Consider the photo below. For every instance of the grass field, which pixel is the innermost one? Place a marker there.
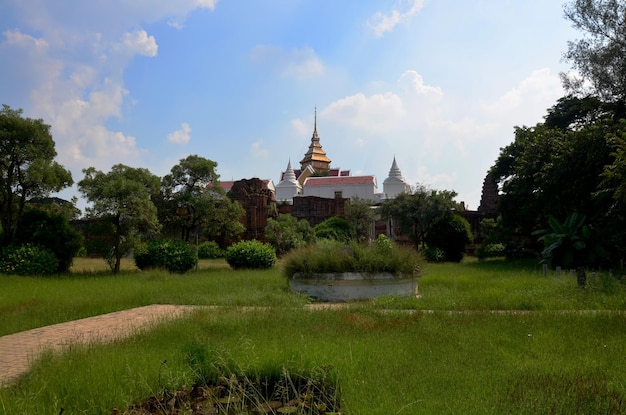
(484, 338)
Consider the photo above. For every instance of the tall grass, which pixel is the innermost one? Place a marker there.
(30, 302)
(451, 351)
(386, 363)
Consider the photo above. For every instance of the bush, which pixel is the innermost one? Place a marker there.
(251, 254)
(330, 256)
(51, 231)
(286, 232)
(210, 250)
(173, 255)
(451, 235)
(28, 259)
(485, 251)
(334, 228)
(433, 254)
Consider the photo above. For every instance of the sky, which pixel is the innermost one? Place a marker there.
(438, 84)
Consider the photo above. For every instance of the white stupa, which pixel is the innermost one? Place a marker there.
(288, 186)
(395, 183)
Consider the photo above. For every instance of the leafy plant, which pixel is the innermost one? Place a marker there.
(210, 250)
(334, 228)
(433, 253)
(331, 256)
(570, 243)
(222, 386)
(286, 232)
(451, 234)
(52, 231)
(493, 250)
(251, 254)
(27, 259)
(171, 254)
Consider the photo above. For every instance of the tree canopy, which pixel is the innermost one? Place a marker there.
(124, 195)
(552, 170)
(599, 56)
(193, 202)
(572, 164)
(416, 212)
(27, 166)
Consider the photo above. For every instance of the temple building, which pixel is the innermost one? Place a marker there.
(316, 177)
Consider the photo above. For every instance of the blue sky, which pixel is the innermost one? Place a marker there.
(439, 84)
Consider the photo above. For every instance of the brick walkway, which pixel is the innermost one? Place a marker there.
(19, 349)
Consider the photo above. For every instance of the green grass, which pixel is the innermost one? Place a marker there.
(463, 355)
(387, 363)
(30, 302)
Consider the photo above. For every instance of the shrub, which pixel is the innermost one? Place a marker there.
(485, 251)
(334, 228)
(173, 255)
(286, 232)
(330, 256)
(251, 254)
(51, 231)
(452, 235)
(28, 259)
(433, 254)
(210, 250)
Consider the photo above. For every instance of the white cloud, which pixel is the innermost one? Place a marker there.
(526, 103)
(181, 136)
(300, 63)
(207, 4)
(257, 150)
(402, 12)
(72, 74)
(138, 42)
(374, 113)
(412, 82)
(303, 64)
(16, 37)
(300, 128)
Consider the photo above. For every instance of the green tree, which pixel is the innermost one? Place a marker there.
(52, 231)
(417, 211)
(334, 228)
(360, 215)
(286, 232)
(600, 55)
(552, 170)
(572, 243)
(123, 195)
(451, 234)
(27, 167)
(193, 202)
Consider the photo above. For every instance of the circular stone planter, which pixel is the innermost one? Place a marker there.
(352, 285)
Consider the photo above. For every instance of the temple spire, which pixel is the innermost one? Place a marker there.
(315, 156)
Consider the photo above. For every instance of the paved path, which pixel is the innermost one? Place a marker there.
(18, 350)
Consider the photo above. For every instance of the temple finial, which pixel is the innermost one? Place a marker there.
(315, 121)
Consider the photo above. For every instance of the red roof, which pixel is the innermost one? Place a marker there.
(227, 184)
(339, 180)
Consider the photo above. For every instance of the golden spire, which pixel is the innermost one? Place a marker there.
(315, 156)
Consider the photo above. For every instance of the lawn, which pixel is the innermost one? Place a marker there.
(484, 338)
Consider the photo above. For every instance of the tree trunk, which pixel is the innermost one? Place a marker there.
(581, 277)
(118, 243)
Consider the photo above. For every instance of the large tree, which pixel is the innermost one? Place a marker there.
(27, 167)
(600, 56)
(419, 210)
(560, 167)
(550, 170)
(123, 196)
(193, 202)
